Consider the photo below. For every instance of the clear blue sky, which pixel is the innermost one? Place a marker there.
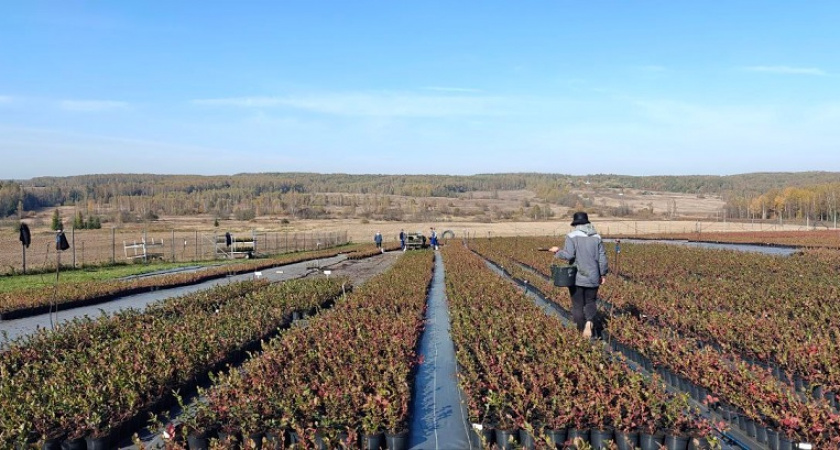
(407, 87)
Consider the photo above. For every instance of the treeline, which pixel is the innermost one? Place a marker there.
(816, 203)
(246, 195)
(129, 197)
(750, 184)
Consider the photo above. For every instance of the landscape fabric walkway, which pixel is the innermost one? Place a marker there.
(439, 416)
(13, 329)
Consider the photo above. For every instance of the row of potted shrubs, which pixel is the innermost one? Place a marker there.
(342, 380)
(21, 303)
(750, 389)
(536, 383)
(98, 378)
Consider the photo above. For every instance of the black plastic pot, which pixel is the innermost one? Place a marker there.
(292, 437)
(699, 443)
(742, 422)
(74, 444)
(627, 440)
(257, 439)
(274, 438)
(761, 433)
(482, 438)
(574, 434)
(198, 441)
(728, 413)
(749, 427)
(773, 439)
(372, 441)
(676, 442)
(231, 439)
(526, 440)
(343, 441)
(506, 439)
(785, 443)
(556, 438)
(396, 441)
(798, 383)
(817, 391)
(651, 441)
(320, 443)
(100, 443)
(831, 398)
(51, 444)
(702, 393)
(600, 439)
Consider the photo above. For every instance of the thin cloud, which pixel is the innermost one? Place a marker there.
(787, 70)
(374, 104)
(92, 105)
(5, 99)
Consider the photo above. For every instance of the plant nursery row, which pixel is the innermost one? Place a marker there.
(29, 302)
(343, 380)
(532, 382)
(97, 379)
(729, 322)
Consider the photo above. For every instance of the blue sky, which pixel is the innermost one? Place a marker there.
(420, 87)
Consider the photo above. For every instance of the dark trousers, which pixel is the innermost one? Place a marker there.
(584, 306)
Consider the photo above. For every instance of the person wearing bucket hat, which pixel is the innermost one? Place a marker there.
(583, 248)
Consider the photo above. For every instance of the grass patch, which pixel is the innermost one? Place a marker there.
(11, 283)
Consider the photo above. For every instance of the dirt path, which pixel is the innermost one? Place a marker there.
(362, 270)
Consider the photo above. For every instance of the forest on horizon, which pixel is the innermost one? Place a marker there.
(131, 197)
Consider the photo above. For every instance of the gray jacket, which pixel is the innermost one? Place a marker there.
(584, 248)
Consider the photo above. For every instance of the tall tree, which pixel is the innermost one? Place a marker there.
(56, 221)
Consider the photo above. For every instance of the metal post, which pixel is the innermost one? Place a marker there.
(113, 245)
(23, 247)
(617, 253)
(73, 244)
(196, 245)
(173, 245)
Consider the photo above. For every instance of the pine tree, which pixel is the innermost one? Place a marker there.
(79, 221)
(56, 221)
(93, 223)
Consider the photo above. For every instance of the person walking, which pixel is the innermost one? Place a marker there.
(433, 241)
(583, 247)
(402, 239)
(377, 238)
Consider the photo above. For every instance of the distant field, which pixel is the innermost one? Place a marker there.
(190, 239)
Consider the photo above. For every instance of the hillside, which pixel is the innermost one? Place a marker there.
(484, 197)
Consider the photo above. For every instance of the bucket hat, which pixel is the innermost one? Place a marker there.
(580, 218)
